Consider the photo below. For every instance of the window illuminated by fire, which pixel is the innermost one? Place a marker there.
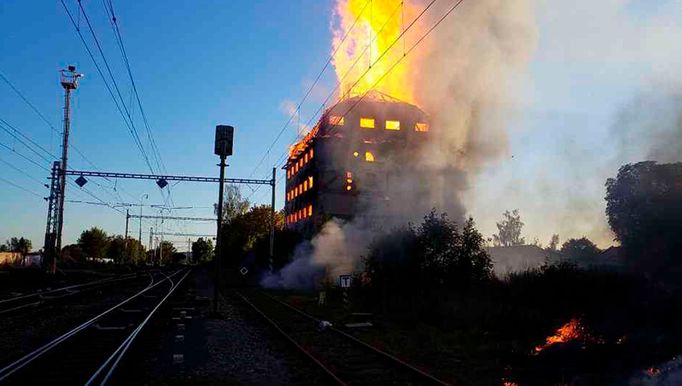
(392, 125)
(421, 127)
(367, 123)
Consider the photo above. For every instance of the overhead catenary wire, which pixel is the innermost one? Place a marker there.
(20, 187)
(53, 129)
(119, 103)
(129, 125)
(310, 89)
(355, 62)
(380, 57)
(156, 155)
(43, 118)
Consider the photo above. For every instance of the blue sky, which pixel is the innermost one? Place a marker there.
(201, 64)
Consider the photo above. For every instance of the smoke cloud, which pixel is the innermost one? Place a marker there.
(462, 76)
(602, 92)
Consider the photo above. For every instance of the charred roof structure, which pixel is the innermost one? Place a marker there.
(348, 163)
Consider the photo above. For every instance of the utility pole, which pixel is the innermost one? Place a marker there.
(151, 247)
(69, 81)
(140, 235)
(272, 220)
(49, 253)
(126, 238)
(127, 219)
(223, 148)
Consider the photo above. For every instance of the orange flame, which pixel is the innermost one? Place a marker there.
(566, 333)
(374, 43)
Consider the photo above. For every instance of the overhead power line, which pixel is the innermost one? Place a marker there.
(130, 125)
(310, 89)
(21, 187)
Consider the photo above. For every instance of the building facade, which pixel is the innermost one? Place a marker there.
(352, 160)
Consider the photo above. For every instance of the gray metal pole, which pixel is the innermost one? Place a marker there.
(62, 175)
(127, 219)
(218, 249)
(272, 219)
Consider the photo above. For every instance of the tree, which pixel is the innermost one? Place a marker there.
(553, 243)
(136, 251)
(202, 250)
(4, 248)
(20, 245)
(233, 204)
(580, 250)
(94, 242)
(240, 234)
(644, 207)
(165, 251)
(433, 256)
(509, 230)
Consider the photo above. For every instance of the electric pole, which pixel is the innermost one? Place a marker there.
(69, 81)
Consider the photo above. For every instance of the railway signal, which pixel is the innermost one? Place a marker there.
(223, 147)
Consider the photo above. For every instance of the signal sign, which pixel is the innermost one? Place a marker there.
(345, 281)
(223, 140)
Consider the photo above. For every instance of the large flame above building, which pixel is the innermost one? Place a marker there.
(369, 41)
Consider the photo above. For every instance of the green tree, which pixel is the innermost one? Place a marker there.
(433, 256)
(165, 251)
(644, 207)
(233, 203)
(509, 230)
(124, 251)
(20, 245)
(240, 234)
(4, 248)
(580, 250)
(202, 250)
(136, 251)
(94, 242)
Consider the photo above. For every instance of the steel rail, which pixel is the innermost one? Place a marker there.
(293, 341)
(118, 354)
(42, 296)
(18, 364)
(59, 289)
(363, 344)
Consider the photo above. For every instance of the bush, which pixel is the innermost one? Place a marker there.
(412, 266)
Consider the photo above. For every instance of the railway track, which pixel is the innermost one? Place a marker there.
(35, 299)
(345, 359)
(90, 352)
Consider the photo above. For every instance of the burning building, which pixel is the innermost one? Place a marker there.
(348, 163)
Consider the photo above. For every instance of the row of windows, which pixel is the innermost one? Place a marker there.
(302, 160)
(369, 156)
(369, 123)
(300, 214)
(300, 188)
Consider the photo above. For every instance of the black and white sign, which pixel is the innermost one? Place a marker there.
(345, 281)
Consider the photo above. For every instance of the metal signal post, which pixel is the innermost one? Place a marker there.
(223, 148)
